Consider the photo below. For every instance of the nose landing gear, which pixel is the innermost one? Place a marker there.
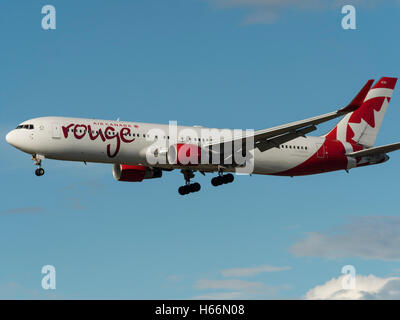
(38, 162)
(39, 172)
(188, 187)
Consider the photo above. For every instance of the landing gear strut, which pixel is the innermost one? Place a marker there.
(222, 179)
(188, 187)
(38, 162)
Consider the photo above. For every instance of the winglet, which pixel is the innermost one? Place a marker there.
(359, 99)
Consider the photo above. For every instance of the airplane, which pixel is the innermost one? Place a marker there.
(140, 151)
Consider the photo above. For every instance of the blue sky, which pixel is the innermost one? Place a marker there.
(199, 62)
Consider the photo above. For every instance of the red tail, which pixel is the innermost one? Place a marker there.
(361, 126)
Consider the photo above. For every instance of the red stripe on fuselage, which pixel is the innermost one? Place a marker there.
(333, 159)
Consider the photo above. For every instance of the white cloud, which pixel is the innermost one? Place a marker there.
(367, 287)
(220, 296)
(252, 271)
(263, 11)
(268, 11)
(231, 284)
(268, 3)
(236, 289)
(364, 237)
(240, 289)
(262, 17)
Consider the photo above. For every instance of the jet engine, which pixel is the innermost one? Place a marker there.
(123, 172)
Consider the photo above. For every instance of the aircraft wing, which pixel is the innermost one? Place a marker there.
(272, 137)
(377, 150)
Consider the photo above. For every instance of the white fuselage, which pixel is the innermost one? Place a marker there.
(124, 142)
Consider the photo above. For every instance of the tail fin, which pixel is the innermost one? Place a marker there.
(362, 125)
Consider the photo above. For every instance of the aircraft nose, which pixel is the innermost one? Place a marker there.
(10, 138)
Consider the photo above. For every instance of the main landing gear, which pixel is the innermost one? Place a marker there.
(188, 187)
(38, 162)
(222, 179)
(195, 187)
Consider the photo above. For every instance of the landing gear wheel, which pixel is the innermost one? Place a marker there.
(195, 187)
(228, 178)
(39, 172)
(217, 181)
(183, 190)
(222, 179)
(38, 162)
(188, 187)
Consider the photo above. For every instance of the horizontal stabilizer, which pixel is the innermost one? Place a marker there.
(377, 150)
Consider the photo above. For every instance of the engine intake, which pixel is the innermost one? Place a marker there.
(124, 172)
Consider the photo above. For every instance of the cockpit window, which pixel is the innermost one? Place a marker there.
(25, 126)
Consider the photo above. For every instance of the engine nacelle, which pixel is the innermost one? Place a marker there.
(123, 172)
(184, 154)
